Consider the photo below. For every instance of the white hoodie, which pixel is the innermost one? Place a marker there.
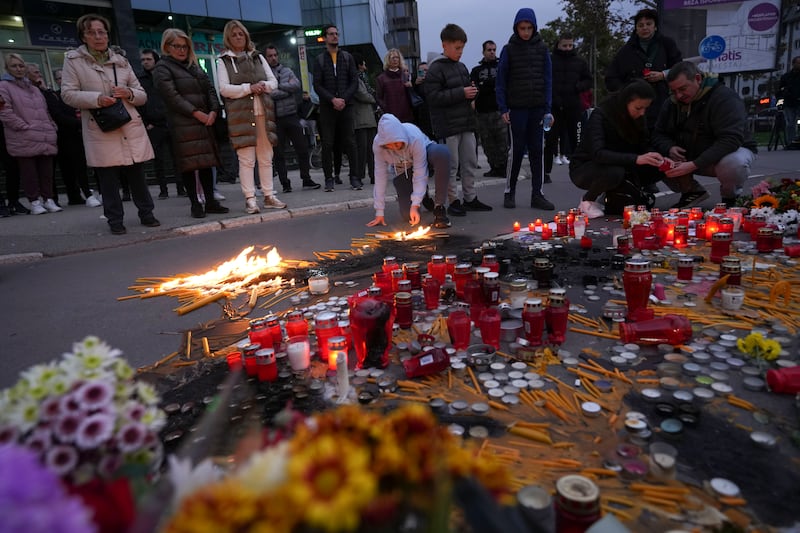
(410, 161)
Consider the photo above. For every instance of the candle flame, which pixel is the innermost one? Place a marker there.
(235, 275)
(420, 233)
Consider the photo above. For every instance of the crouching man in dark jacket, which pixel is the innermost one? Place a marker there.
(703, 129)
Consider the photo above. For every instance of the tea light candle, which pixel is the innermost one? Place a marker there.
(537, 225)
(336, 346)
(516, 226)
(318, 284)
(547, 233)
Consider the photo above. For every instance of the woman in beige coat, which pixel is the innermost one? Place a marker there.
(95, 76)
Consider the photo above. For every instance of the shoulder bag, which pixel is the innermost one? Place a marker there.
(114, 116)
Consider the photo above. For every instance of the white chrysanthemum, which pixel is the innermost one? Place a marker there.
(122, 370)
(186, 479)
(39, 375)
(94, 430)
(94, 395)
(146, 393)
(154, 418)
(61, 459)
(265, 469)
(24, 414)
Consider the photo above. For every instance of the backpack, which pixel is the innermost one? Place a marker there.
(629, 193)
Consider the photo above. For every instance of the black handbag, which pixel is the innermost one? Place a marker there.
(114, 116)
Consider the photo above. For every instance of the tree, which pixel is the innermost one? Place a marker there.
(600, 28)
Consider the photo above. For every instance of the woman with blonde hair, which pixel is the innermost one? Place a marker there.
(94, 77)
(393, 85)
(30, 135)
(192, 109)
(245, 81)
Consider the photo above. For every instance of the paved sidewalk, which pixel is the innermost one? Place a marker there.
(80, 228)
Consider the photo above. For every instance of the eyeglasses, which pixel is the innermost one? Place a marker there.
(96, 33)
(180, 47)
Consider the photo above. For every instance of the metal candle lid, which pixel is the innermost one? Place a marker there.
(721, 236)
(533, 305)
(575, 492)
(637, 265)
(541, 262)
(731, 260)
(325, 319)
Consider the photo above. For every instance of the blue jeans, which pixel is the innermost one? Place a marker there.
(791, 114)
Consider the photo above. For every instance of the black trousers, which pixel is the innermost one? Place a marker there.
(109, 180)
(162, 147)
(337, 126)
(597, 179)
(72, 162)
(366, 159)
(290, 130)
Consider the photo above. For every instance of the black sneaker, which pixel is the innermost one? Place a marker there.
(476, 205)
(198, 211)
(547, 178)
(18, 208)
(691, 199)
(456, 209)
(163, 195)
(287, 189)
(356, 184)
(338, 181)
(118, 229)
(311, 185)
(440, 220)
(182, 192)
(151, 222)
(540, 202)
(328, 185)
(427, 202)
(4, 210)
(508, 200)
(216, 208)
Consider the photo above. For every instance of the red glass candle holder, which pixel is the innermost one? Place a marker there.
(764, 240)
(413, 275)
(296, 324)
(669, 329)
(547, 232)
(720, 246)
(266, 365)
(533, 321)
(326, 325)
(458, 326)
(637, 281)
(680, 238)
(404, 314)
(556, 315)
(685, 268)
(489, 325)
(389, 263)
(371, 322)
(437, 267)
(462, 274)
(430, 290)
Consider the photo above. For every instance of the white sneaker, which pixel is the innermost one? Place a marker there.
(272, 202)
(564, 160)
(37, 208)
(92, 201)
(591, 209)
(557, 160)
(51, 206)
(218, 196)
(251, 207)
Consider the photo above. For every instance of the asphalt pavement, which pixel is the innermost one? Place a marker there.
(79, 228)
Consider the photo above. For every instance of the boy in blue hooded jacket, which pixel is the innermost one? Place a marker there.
(524, 96)
(402, 151)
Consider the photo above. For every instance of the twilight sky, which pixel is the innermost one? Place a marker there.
(481, 19)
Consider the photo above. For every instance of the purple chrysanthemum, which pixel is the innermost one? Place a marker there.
(94, 430)
(39, 440)
(134, 410)
(50, 408)
(70, 404)
(61, 459)
(131, 437)
(8, 434)
(94, 394)
(66, 427)
(32, 499)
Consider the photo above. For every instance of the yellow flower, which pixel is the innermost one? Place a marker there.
(330, 479)
(771, 349)
(766, 199)
(750, 344)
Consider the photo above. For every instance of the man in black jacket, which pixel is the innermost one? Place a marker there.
(702, 128)
(492, 128)
(154, 115)
(790, 91)
(336, 83)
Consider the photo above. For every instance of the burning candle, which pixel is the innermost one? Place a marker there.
(586, 242)
(680, 236)
(712, 226)
(537, 225)
(337, 346)
(627, 211)
(547, 232)
(516, 226)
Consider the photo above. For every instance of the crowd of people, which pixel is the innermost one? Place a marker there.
(663, 120)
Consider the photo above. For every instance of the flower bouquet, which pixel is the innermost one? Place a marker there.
(90, 423)
(759, 348)
(778, 202)
(344, 470)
